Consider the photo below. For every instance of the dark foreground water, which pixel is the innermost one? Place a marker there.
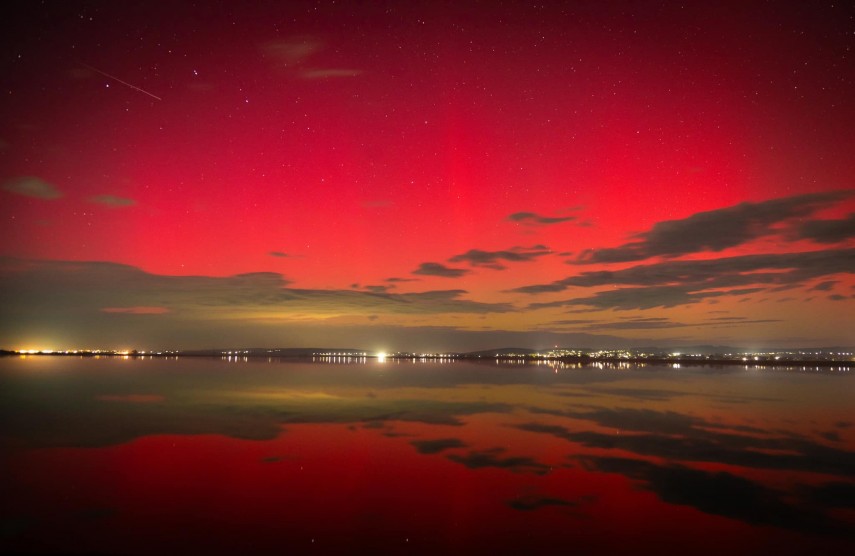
(113, 456)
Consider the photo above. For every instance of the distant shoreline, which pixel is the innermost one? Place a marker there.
(689, 361)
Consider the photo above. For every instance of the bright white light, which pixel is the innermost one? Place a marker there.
(381, 357)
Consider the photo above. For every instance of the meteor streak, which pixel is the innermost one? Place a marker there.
(134, 87)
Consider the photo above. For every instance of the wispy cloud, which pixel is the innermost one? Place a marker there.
(534, 219)
(377, 203)
(136, 310)
(294, 54)
(31, 186)
(112, 201)
(293, 51)
(329, 73)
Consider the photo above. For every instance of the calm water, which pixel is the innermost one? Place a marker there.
(115, 456)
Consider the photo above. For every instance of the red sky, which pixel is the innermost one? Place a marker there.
(411, 176)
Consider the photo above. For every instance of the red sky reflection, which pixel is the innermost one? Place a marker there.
(402, 462)
(216, 494)
(140, 457)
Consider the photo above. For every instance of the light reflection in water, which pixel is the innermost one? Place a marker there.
(452, 456)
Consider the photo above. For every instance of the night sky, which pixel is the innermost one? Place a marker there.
(427, 176)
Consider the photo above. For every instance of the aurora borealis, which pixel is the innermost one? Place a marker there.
(427, 175)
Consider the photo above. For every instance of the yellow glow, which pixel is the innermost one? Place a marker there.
(381, 357)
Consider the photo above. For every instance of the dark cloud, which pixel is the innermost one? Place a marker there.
(493, 458)
(641, 324)
(136, 310)
(491, 259)
(37, 304)
(837, 297)
(828, 285)
(535, 219)
(834, 495)
(31, 186)
(743, 321)
(632, 393)
(88, 297)
(557, 286)
(714, 230)
(438, 269)
(132, 398)
(112, 411)
(531, 502)
(278, 254)
(831, 436)
(784, 268)
(112, 201)
(659, 394)
(827, 231)
(379, 288)
(396, 279)
(719, 493)
(631, 324)
(437, 446)
(643, 420)
(568, 322)
(661, 322)
(373, 288)
(93, 286)
(671, 283)
(645, 298)
(682, 437)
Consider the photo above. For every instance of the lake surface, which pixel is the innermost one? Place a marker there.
(143, 456)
